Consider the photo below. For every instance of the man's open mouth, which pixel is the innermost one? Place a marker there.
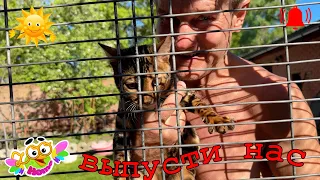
(190, 54)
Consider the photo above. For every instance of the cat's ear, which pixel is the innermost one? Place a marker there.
(164, 47)
(110, 51)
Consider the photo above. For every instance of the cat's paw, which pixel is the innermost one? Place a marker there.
(222, 129)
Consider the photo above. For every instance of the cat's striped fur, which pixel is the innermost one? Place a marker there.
(130, 102)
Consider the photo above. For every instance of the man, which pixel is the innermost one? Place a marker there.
(241, 112)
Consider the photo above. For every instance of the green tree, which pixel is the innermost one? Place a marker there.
(255, 18)
(68, 30)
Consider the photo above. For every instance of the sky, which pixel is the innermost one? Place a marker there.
(315, 9)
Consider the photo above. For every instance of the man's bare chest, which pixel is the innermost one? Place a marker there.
(246, 117)
(231, 148)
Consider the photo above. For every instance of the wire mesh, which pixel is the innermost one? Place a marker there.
(64, 89)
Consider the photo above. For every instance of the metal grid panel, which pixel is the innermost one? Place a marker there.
(12, 103)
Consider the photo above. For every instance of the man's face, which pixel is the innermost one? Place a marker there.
(194, 42)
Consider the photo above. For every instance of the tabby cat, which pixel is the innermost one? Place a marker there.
(165, 80)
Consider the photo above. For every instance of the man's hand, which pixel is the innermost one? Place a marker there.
(168, 119)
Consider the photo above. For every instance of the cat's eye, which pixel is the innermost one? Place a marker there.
(154, 82)
(132, 86)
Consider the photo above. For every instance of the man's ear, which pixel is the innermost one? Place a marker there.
(164, 46)
(240, 15)
(110, 51)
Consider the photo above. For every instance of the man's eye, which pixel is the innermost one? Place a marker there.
(204, 18)
(202, 22)
(132, 85)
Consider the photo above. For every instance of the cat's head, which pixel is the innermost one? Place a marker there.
(146, 64)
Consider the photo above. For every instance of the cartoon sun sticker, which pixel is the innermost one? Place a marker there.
(34, 26)
(37, 159)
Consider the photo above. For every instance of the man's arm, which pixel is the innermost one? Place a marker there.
(301, 129)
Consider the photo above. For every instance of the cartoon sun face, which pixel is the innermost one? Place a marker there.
(34, 26)
(39, 153)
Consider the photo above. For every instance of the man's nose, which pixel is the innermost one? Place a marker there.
(185, 41)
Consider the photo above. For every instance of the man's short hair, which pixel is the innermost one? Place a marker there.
(235, 3)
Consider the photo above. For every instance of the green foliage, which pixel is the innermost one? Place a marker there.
(255, 18)
(69, 51)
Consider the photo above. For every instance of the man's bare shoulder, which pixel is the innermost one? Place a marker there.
(276, 92)
(275, 86)
(278, 86)
(269, 86)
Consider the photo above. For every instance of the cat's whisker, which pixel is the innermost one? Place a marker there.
(134, 107)
(129, 107)
(128, 102)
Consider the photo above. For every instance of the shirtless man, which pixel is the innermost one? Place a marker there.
(229, 78)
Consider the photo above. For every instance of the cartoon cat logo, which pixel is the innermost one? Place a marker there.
(37, 160)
